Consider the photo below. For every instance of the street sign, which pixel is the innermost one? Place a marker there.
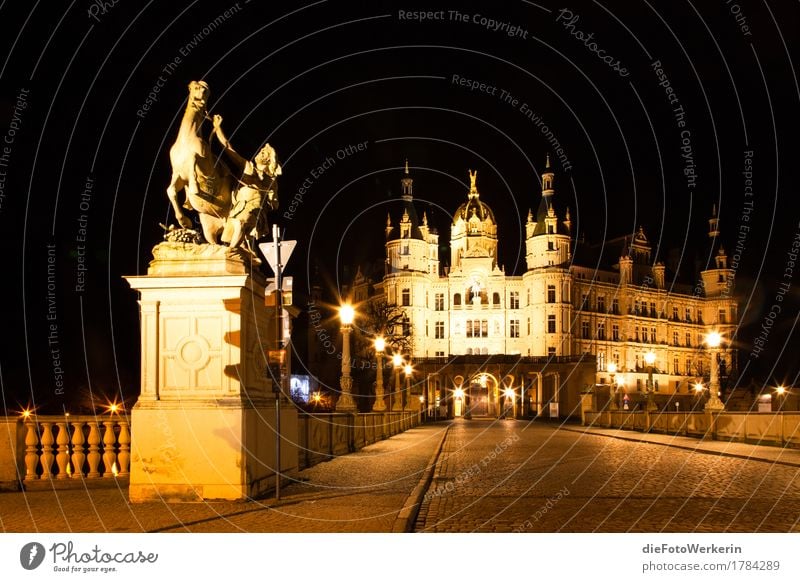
(271, 253)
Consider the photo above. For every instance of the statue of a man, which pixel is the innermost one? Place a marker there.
(257, 184)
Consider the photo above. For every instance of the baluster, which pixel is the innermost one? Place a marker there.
(47, 450)
(78, 456)
(124, 457)
(31, 455)
(62, 458)
(94, 450)
(109, 456)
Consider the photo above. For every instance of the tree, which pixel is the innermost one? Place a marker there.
(379, 318)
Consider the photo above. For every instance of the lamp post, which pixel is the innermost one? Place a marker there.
(713, 341)
(781, 392)
(612, 389)
(397, 361)
(511, 394)
(408, 370)
(345, 402)
(650, 359)
(380, 405)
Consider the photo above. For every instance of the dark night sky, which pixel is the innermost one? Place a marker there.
(315, 78)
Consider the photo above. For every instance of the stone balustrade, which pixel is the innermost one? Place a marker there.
(761, 428)
(322, 437)
(62, 448)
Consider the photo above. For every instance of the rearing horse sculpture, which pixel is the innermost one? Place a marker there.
(208, 184)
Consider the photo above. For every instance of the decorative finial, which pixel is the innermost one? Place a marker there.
(424, 219)
(473, 178)
(547, 162)
(530, 215)
(406, 166)
(388, 220)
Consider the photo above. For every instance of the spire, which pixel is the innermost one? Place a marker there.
(388, 225)
(408, 184)
(547, 179)
(713, 224)
(568, 221)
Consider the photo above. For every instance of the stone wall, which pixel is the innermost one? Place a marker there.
(760, 428)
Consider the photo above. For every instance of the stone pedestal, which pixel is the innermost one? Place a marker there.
(203, 426)
(12, 449)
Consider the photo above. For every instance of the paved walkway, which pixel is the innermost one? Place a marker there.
(513, 476)
(360, 492)
(491, 475)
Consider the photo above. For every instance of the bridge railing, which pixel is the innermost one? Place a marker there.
(62, 448)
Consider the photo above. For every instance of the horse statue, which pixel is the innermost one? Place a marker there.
(231, 208)
(208, 184)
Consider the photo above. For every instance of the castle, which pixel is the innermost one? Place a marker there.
(613, 305)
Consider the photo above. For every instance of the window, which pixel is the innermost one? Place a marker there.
(439, 354)
(601, 360)
(439, 302)
(615, 306)
(514, 328)
(688, 314)
(674, 338)
(615, 332)
(723, 317)
(688, 367)
(601, 331)
(406, 297)
(637, 309)
(688, 339)
(675, 314)
(675, 365)
(585, 301)
(513, 300)
(439, 330)
(550, 229)
(585, 330)
(496, 298)
(477, 328)
(601, 303)
(551, 324)
(551, 351)
(653, 309)
(551, 293)
(457, 299)
(637, 333)
(406, 326)
(529, 326)
(550, 246)
(652, 335)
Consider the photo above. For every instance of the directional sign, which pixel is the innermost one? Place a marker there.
(270, 252)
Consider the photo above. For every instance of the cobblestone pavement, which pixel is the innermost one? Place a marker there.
(508, 476)
(361, 492)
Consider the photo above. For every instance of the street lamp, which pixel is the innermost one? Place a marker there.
(345, 402)
(380, 405)
(408, 370)
(397, 361)
(781, 392)
(650, 359)
(713, 341)
(612, 390)
(509, 393)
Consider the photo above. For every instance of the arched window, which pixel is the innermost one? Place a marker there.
(496, 298)
(457, 299)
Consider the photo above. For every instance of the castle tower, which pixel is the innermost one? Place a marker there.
(548, 280)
